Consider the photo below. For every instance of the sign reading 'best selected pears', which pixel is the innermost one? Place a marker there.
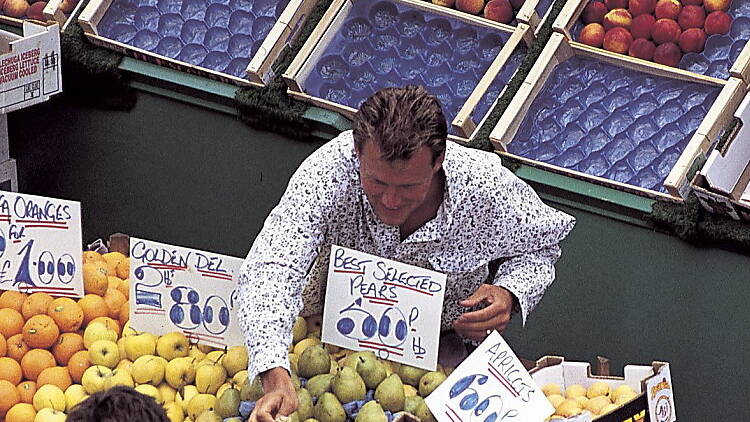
(491, 385)
(40, 245)
(185, 290)
(389, 307)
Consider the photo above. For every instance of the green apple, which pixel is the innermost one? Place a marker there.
(119, 377)
(199, 403)
(148, 369)
(180, 372)
(74, 395)
(94, 332)
(49, 395)
(172, 345)
(209, 377)
(50, 415)
(105, 353)
(150, 391)
(94, 378)
(174, 412)
(140, 344)
(235, 360)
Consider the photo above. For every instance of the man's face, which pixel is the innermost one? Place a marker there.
(396, 189)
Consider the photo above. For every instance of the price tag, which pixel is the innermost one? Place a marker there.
(491, 385)
(377, 304)
(40, 245)
(186, 290)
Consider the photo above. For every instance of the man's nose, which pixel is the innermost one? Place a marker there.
(391, 198)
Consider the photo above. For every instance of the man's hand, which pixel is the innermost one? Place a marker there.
(279, 399)
(494, 316)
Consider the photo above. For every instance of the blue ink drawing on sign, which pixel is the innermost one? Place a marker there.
(182, 309)
(215, 305)
(66, 269)
(23, 276)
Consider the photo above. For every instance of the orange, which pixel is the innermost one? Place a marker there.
(8, 396)
(11, 322)
(12, 299)
(35, 304)
(123, 269)
(113, 282)
(56, 375)
(124, 313)
(67, 314)
(17, 347)
(124, 288)
(114, 299)
(78, 364)
(10, 370)
(3, 345)
(65, 346)
(95, 278)
(40, 332)
(91, 256)
(108, 322)
(35, 361)
(114, 258)
(26, 390)
(93, 306)
(21, 412)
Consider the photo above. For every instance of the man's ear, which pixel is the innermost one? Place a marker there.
(438, 162)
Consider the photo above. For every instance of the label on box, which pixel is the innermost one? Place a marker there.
(660, 396)
(30, 71)
(40, 245)
(490, 385)
(389, 307)
(186, 290)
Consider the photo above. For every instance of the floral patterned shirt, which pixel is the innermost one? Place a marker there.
(487, 214)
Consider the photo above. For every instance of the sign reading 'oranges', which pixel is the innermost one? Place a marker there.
(40, 245)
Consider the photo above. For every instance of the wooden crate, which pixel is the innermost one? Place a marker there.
(571, 12)
(259, 70)
(53, 13)
(333, 20)
(559, 49)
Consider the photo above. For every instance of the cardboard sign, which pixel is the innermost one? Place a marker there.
(382, 305)
(40, 245)
(180, 289)
(29, 66)
(660, 396)
(490, 385)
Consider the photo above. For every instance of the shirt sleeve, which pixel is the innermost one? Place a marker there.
(273, 275)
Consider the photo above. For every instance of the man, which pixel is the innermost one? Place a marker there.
(118, 404)
(395, 188)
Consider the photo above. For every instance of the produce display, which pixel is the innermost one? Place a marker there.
(503, 11)
(598, 399)
(25, 9)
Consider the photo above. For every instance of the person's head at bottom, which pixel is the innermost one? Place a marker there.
(118, 404)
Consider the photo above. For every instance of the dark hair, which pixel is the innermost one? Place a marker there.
(118, 404)
(400, 121)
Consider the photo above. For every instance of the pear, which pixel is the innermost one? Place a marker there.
(209, 377)
(293, 417)
(371, 371)
(228, 404)
(328, 409)
(411, 375)
(299, 330)
(305, 404)
(174, 412)
(390, 393)
(429, 382)
(353, 359)
(252, 391)
(295, 382)
(411, 403)
(371, 412)
(319, 384)
(348, 386)
(293, 359)
(313, 361)
(235, 360)
(311, 420)
(423, 413)
(208, 416)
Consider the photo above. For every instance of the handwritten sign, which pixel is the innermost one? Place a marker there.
(181, 289)
(386, 306)
(491, 385)
(40, 245)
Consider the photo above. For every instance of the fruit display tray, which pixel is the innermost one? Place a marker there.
(234, 41)
(723, 56)
(600, 116)
(361, 46)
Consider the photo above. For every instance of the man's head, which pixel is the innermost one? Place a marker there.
(400, 136)
(118, 404)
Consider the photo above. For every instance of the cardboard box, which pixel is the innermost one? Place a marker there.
(558, 50)
(651, 382)
(259, 71)
(723, 184)
(303, 68)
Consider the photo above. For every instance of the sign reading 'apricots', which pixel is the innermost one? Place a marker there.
(40, 245)
(180, 289)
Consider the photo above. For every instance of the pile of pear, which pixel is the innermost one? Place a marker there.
(599, 399)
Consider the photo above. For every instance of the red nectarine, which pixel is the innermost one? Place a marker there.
(617, 17)
(592, 34)
(692, 40)
(641, 7)
(718, 23)
(714, 5)
(691, 17)
(617, 40)
(666, 30)
(499, 11)
(642, 26)
(470, 6)
(667, 9)
(642, 49)
(668, 54)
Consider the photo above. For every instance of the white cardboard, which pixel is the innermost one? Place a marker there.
(389, 307)
(29, 66)
(722, 172)
(491, 380)
(180, 289)
(660, 396)
(40, 245)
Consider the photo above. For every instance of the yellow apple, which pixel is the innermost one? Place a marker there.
(125, 364)
(172, 345)
(235, 360)
(196, 353)
(240, 377)
(119, 377)
(167, 392)
(49, 395)
(96, 332)
(208, 378)
(151, 391)
(50, 415)
(105, 353)
(185, 394)
(140, 344)
(148, 369)
(127, 330)
(74, 395)
(174, 412)
(199, 403)
(95, 377)
(180, 372)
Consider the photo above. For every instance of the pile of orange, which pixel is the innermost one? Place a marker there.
(41, 337)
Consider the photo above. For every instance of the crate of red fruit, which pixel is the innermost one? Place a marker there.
(595, 115)
(362, 46)
(61, 11)
(512, 12)
(16, 12)
(708, 37)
